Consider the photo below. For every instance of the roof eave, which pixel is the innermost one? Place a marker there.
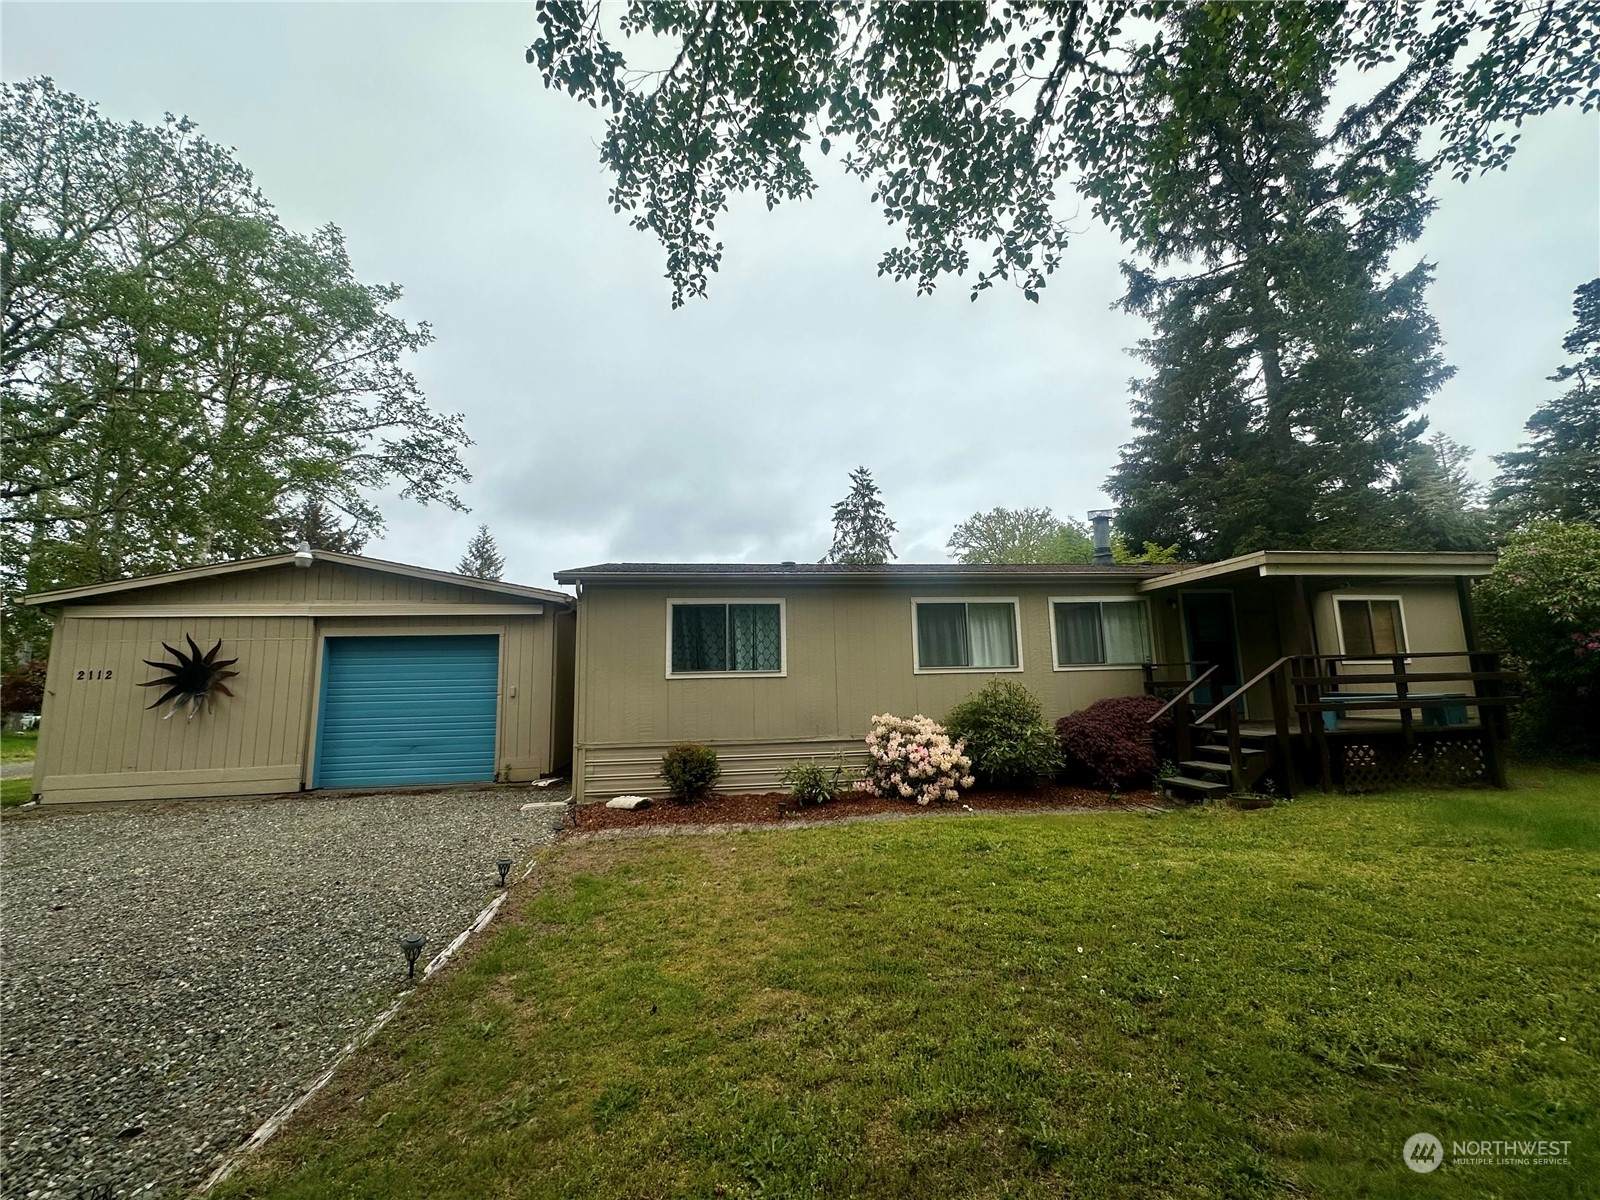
(266, 562)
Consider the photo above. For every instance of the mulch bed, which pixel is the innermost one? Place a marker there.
(763, 808)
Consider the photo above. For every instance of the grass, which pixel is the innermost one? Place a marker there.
(1199, 1003)
(16, 791)
(18, 747)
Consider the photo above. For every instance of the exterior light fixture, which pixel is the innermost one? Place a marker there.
(411, 946)
(302, 555)
(504, 865)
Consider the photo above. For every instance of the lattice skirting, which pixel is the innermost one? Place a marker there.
(1372, 766)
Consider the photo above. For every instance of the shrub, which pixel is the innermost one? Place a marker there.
(1111, 744)
(914, 759)
(812, 783)
(690, 770)
(1541, 604)
(1005, 733)
(22, 688)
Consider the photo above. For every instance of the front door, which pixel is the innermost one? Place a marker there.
(1210, 636)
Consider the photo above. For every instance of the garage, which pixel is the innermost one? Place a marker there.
(310, 669)
(407, 710)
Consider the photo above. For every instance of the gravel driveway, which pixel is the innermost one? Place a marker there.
(175, 973)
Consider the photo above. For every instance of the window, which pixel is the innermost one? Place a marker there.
(966, 635)
(723, 637)
(1112, 633)
(1371, 626)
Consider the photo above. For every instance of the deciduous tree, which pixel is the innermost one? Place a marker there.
(1020, 535)
(972, 120)
(180, 371)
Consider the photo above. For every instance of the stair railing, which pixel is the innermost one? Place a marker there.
(1182, 703)
(1280, 722)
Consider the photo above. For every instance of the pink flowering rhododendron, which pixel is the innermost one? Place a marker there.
(913, 758)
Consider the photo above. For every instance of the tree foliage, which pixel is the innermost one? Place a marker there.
(1286, 365)
(1020, 535)
(863, 534)
(483, 559)
(317, 525)
(1541, 603)
(181, 373)
(970, 120)
(1555, 474)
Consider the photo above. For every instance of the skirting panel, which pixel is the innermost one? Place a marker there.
(606, 771)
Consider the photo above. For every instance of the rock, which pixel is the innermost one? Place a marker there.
(629, 802)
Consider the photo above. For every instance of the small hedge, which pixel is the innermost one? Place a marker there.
(1109, 745)
(690, 770)
(22, 688)
(1006, 736)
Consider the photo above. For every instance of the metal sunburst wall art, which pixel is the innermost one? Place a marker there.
(195, 679)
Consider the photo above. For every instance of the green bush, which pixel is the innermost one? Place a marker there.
(690, 770)
(812, 783)
(1005, 734)
(1541, 604)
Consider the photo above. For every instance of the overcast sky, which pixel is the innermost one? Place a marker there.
(609, 426)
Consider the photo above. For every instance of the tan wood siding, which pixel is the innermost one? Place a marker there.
(849, 657)
(104, 732)
(322, 581)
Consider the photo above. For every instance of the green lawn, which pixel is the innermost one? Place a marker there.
(18, 747)
(15, 791)
(1199, 1003)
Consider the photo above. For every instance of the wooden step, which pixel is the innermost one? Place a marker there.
(1204, 786)
(1194, 764)
(1213, 748)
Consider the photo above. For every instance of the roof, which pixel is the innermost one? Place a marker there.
(1390, 564)
(1151, 577)
(520, 591)
(864, 572)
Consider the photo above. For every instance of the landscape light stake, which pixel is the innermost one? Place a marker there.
(505, 869)
(411, 946)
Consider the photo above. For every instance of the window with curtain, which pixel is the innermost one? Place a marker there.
(1371, 627)
(966, 635)
(1101, 633)
(727, 637)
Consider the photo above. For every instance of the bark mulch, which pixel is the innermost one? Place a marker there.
(772, 808)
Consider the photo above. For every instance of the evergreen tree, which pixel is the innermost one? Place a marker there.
(862, 530)
(1439, 503)
(314, 523)
(1287, 366)
(1555, 474)
(1020, 535)
(482, 559)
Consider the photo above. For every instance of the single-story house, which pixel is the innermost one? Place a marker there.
(770, 664)
(315, 669)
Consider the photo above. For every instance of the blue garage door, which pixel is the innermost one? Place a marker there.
(407, 710)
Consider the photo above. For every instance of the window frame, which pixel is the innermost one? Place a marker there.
(1338, 625)
(916, 638)
(1055, 652)
(783, 637)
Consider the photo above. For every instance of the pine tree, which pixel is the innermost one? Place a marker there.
(314, 523)
(862, 530)
(482, 559)
(1440, 504)
(1555, 474)
(1287, 365)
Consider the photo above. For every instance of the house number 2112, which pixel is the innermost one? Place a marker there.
(106, 674)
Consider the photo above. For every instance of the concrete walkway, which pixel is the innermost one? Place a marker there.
(15, 770)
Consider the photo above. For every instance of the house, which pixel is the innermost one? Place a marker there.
(335, 671)
(1289, 662)
(338, 671)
